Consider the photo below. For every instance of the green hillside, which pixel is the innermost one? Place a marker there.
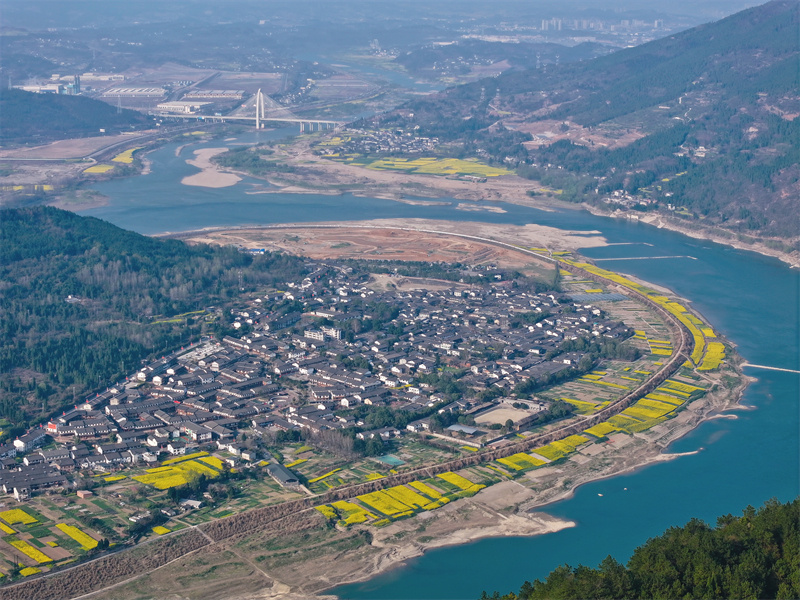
(704, 120)
(28, 117)
(126, 289)
(755, 556)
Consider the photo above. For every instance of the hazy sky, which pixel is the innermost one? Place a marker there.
(43, 14)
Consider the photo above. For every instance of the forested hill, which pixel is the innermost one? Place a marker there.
(755, 556)
(29, 117)
(128, 294)
(704, 120)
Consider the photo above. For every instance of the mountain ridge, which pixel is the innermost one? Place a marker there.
(701, 126)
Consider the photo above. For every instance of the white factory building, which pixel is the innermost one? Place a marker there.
(181, 106)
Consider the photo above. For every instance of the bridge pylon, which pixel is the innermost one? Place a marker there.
(259, 109)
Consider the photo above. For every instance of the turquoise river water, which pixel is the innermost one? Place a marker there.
(752, 300)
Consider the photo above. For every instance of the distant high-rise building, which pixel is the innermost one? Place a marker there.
(76, 85)
(554, 24)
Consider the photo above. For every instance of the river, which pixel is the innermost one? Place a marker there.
(752, 300)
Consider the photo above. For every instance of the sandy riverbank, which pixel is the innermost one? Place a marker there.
(210, 176)
(528, 235)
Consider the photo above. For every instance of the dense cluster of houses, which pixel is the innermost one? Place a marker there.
(493, 334)
(358, 141)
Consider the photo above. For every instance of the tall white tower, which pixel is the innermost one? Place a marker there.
(258, 109)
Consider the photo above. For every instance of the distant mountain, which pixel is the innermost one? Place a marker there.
(704, 120)
(27, 117)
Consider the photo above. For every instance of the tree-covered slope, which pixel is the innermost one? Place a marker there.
(755, 556)
(126, 288)
(30, 117)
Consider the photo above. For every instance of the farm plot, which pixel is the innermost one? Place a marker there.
(385, 504)
(352, 514)
(86, 541)
(98, 169)
(561, 448)
(126, 157)
(169, 476)
(29, 551)
(461, 483)
(601, 430)
(521, 461)
(17, 515)
(433, 166)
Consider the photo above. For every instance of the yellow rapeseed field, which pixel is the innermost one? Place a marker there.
(327, 511)
(163, 478)
(178, 459)
(99, 169)
(714, 357)
(16, 515)
(383, 503)
(87, 542)
(321, 477)
(683, 387)
(30, 551)
(407, 496)
(520, 461)
(461, 482)
(550, 452)
(433, 166)
(601, 429)
(352, 514)
(126, 157)
(212, 461)
(425, 489)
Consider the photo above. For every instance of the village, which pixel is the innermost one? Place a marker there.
(358, 141)
(345, 376)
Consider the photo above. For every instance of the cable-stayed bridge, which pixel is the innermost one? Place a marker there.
(266, 110)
